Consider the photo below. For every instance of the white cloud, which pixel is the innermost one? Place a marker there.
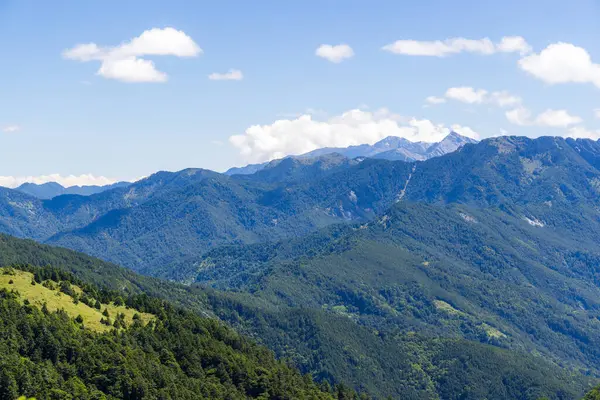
(579, 132)
(11, 128)
(451, 46)
(550, 118)
(597, 113)
(124, 62)
(435, 100)
(438, 48)
(231, 75)
(519, 116)
(335, 54)
(504, 99)
(303, 134)
(466, 94)
(465, 131)
(85, 52)
(160, 42)
(470, 95)
(514, 44)
(557, 118)
(562, 63)
(66, 181)
(131, 70)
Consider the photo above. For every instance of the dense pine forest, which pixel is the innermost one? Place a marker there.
(175, 355)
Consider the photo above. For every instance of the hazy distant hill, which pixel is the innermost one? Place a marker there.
(53, 189)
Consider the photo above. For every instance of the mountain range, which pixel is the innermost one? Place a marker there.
(52, 189)
(417, 279)
(391, 148)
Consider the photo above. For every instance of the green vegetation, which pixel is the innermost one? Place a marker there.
(99, 273)
(401, 365)
(330, 346)
(593, 394)
(69, 298)
(175, 355)
(168, 217)
(476, 286)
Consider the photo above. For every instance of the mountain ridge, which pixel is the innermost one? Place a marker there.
(194, 209)
(390, 148)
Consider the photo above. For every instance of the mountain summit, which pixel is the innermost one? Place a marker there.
(400, 149)
(391, 148)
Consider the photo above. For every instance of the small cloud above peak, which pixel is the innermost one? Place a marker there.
(469, 95)
(336, 54)
(549, 118)
(124, 62)
(580, 132)
(558, 118)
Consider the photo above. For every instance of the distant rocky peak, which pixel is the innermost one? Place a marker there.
(393, 148)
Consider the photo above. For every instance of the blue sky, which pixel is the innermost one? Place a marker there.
(59, 115)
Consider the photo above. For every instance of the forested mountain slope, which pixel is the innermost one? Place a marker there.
(495, 243)
(51, 354)
(451, 271)
(331, 346)
(169, 217)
